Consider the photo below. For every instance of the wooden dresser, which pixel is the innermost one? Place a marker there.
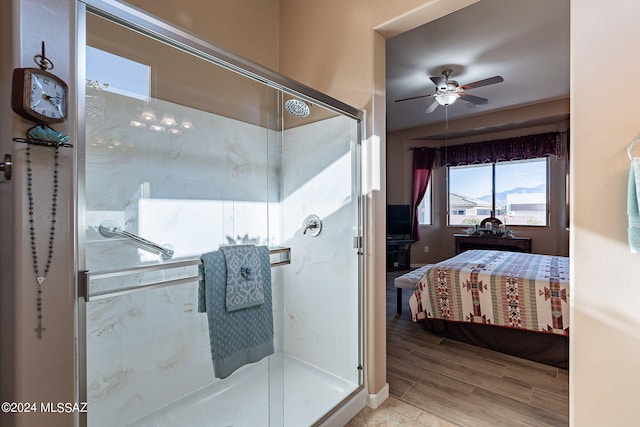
(514, 244)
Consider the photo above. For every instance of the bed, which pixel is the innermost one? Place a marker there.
(513, 302)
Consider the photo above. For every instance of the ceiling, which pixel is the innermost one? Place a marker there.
(524, 41)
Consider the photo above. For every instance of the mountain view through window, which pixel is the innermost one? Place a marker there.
(515, 192)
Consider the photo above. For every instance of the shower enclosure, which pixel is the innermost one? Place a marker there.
(188, 149)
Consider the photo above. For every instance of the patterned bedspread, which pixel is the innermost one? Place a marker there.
(509, 289)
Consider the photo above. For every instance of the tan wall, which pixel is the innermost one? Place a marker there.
(248, 28)
(7, 334)
(605, 341)
(184, 79)
(553, 239)
(44, 369)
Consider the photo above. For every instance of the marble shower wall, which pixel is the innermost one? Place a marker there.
(214, 184)
(321, 299)
(221, 182)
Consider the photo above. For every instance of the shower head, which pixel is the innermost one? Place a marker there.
(297, 107)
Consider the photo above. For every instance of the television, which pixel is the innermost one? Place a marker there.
(398, 220)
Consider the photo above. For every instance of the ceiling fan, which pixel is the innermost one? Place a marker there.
(448, 91)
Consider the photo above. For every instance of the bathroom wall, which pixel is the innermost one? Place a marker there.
(6, 196)
(248, 28)
(37, 369)
(604, 316)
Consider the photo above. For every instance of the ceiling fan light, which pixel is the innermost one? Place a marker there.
(447, 98)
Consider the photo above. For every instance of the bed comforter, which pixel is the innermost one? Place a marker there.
(508, 289)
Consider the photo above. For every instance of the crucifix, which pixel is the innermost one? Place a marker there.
(40, 329)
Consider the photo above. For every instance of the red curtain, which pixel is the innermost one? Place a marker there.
(520, 148)
(422, 166)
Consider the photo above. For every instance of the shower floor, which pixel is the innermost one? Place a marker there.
(279, 391)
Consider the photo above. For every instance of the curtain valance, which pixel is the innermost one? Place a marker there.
(519, 148)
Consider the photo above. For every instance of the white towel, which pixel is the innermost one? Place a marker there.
(633, 206)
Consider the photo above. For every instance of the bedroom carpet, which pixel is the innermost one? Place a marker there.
(440, 382)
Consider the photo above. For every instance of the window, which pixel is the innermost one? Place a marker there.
(515, 192)
(424, 208)
(117, 74)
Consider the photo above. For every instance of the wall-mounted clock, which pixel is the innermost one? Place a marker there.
(39, 95)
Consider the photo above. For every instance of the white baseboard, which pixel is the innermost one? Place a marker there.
(375, 400)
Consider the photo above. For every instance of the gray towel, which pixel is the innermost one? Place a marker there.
(633, 201)
(244, 277)
(241, 336)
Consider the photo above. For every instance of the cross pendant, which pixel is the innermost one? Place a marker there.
(40, 329)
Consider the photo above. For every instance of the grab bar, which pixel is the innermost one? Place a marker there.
(108, 230)
(86, 276)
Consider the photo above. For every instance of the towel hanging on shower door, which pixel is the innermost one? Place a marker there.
(244, 277)
(241, 336)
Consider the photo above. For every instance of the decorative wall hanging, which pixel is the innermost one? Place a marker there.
(40, 96)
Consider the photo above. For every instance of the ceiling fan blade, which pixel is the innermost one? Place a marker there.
(473, 99)
(431, 108)
(485, 82)
(413, 97)
(438, 81)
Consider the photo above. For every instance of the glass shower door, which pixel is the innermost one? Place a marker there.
(182, 155)
(321, 225)
(180, 158)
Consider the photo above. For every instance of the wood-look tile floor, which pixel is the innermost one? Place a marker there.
(440, 382)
